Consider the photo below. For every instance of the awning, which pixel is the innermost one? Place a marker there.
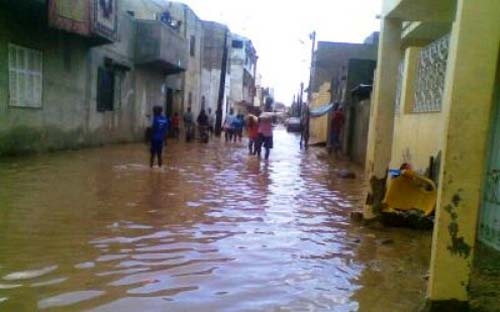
(320, 110)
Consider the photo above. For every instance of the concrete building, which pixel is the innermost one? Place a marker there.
(329, 74)
(163, 39)
(258, 100)
(436, 96)
(359, 73)
(243, 70)
(71, 78)
(191, 29)
(216, 38)
(183, 89)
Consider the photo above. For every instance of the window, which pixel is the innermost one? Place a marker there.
(25, 77)
(399, 86)
(430, 76)
(192, 45)
(105, 89)
(237, 44)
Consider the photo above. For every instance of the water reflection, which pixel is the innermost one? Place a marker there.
(215, 230)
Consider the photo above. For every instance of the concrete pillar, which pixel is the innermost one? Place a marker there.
(408, 84)
(380, 131)
(407, 101)
(467, 106)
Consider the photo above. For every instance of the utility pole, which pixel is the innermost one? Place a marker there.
(312, 36)
(300, 98)
(222, 87)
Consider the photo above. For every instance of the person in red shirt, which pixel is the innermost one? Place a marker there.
(253, 134)
(337, 128)
(176, 123)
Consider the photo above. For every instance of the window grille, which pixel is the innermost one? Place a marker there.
(399, 86)
(25, 77)
(431, 71)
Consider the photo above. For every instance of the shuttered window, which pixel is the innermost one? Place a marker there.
(25, 76)
(105, 90)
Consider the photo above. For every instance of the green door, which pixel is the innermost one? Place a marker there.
(489, 222)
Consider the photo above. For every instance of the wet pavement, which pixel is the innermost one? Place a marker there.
(215, 230)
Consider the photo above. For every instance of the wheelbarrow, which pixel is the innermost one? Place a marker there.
(410, 191)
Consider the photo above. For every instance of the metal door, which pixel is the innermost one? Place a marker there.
(489, 222)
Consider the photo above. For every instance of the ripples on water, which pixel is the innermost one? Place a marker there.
(216, 230)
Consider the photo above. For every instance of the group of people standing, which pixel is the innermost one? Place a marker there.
(204, 121)
(259, 130)
(233, 126)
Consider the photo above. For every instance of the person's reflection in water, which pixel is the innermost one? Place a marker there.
(154, 201)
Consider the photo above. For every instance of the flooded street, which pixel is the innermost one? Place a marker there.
(215, 230)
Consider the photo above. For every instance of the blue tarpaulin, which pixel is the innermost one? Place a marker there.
(320, 110)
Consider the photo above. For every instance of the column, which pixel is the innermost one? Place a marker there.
(467, 105)
(378, 153)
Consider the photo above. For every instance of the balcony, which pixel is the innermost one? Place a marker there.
(442, 11)
(160, 46)
(94, 20)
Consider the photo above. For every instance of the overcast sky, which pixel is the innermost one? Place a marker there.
(279, 30)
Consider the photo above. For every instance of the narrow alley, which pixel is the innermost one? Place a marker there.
(215, 230)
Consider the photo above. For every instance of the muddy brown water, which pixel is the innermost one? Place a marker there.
(215, 230)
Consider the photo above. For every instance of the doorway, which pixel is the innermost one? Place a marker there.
(169, 102)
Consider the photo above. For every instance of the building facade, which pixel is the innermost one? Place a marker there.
(243, 70)
(91, 74)
(191, 29)
(359, 73)
(336, 69)
(216, 47)
(70, 80)
(435, 106)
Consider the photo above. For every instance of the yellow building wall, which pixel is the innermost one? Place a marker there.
(460, 131)
(318, 127)
(417, 137)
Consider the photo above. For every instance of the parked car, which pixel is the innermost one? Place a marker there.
(293, 124)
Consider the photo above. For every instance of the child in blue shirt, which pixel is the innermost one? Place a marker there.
(159, 130)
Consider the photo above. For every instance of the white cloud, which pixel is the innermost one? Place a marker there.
(280, 32)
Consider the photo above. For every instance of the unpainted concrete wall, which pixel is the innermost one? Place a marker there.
(68, 117)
